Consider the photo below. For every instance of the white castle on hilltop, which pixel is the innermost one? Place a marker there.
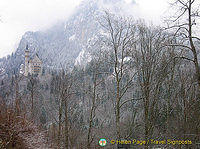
(32, 66)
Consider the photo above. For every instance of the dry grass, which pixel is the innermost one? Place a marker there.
(17, 132)
(10, 127)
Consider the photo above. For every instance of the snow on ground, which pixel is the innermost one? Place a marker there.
(72, 38)
(36, 139)
(82, 59)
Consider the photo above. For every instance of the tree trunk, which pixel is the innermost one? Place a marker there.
(59, 124)
(118, 111)
(66, 127)
(192, 44)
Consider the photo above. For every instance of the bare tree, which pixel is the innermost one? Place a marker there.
(63, 90)
(153, 65)
(32, 87)
(94, 97)
(94, 92)
(121, 40)
(184, 25)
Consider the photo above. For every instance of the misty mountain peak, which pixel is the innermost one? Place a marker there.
(63, 43)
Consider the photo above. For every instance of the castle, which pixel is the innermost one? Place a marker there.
(32, 66)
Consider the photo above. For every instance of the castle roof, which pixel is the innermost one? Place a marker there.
(35, 59)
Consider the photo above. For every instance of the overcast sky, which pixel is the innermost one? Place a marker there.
(19, 16)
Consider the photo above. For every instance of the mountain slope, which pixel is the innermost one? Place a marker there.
(62, 44)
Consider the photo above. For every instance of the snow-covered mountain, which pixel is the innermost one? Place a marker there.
(67, 43)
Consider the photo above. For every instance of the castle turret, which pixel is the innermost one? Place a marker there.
(26, 61)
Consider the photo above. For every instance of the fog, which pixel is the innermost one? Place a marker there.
(19, 16)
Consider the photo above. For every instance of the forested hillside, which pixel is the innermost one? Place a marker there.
(131, 82)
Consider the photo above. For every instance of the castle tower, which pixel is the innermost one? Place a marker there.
(26, 61)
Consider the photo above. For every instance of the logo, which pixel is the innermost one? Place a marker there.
(102, 142)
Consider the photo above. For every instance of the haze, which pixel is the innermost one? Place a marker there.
(19, 16)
